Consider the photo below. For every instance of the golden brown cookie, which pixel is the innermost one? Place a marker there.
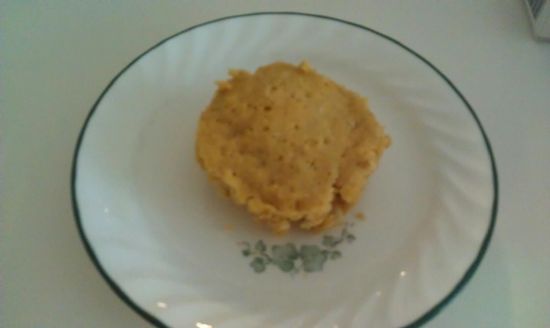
(291, 145)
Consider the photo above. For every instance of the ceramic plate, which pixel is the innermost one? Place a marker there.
(182, 255)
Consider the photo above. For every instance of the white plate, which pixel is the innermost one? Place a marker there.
(171, 246)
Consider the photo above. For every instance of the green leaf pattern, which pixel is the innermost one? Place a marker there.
(258, 264)
(292, 259)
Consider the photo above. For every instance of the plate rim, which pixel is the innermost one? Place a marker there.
(424, 318)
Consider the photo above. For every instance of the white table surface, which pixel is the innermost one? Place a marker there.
(57, 56)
